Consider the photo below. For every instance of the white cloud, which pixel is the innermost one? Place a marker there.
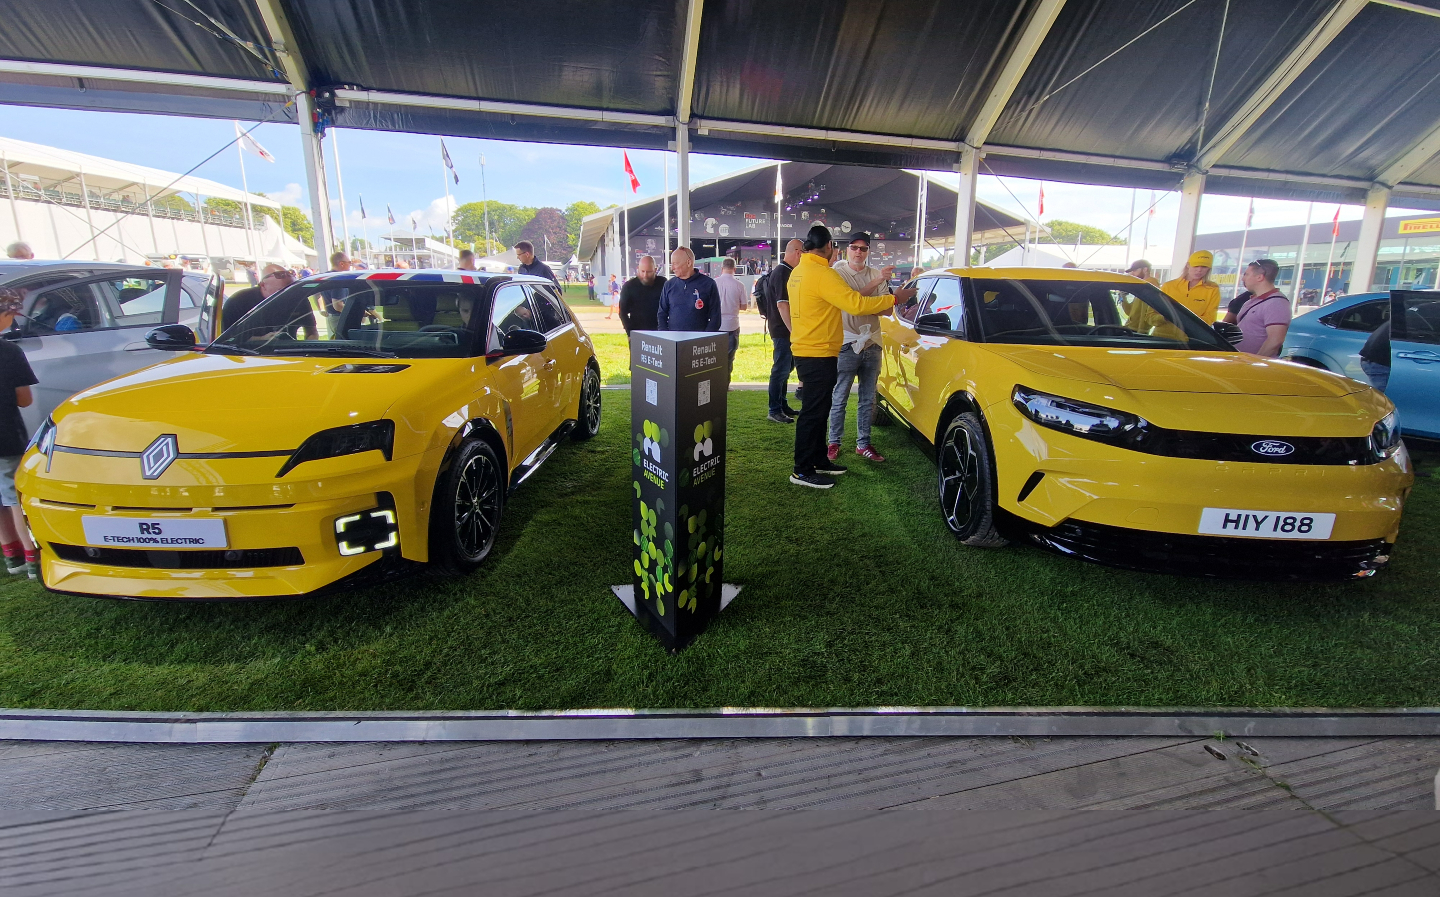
(430, 219)
(292, 195)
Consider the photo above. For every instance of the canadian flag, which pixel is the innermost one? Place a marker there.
(634, 181)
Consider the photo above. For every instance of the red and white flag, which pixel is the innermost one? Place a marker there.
(253, 145)
(1042, 202)
(1335, 226)
(634, 181)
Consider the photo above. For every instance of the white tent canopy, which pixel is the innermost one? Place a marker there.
(46, 167)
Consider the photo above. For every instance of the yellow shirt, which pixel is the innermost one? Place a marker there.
(1203, 298)
(818, 294)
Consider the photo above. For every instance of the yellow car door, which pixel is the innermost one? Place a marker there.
(900, 347)
(518, 378)
(939, 355)
(564, 366)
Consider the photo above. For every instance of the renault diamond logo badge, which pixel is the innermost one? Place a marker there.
(1272, 448)
(158, 457)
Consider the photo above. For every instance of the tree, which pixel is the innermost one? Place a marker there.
(265, 212)
(1065, 232)
(174, 202)
(228, 207)
(506, 222)
(547, 230)
(297, 225)
(574, 214)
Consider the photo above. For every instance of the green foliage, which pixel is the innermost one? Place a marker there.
(506, 222)
(574, 214)
(1065, 232)
(989, 252)
(547, 230)
(297, 224)
(174, 202)
(225, 207)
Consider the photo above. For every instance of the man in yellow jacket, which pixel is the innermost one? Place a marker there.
(818, 294)
(1194, 289)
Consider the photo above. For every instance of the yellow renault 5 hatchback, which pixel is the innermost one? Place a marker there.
(1090, 414)
(349, 419)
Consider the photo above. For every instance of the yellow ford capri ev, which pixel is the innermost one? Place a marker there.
(348, 424)
(1090, 414)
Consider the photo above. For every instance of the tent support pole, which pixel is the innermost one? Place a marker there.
(1368, 246)
(10, 191)
(94, 236)
(344, 215)
(1299, 286)
(1191, 191)
(965, 206)
(665, 212)
(311, 146)
(682, 183)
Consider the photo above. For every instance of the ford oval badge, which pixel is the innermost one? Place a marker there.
(1272, 448)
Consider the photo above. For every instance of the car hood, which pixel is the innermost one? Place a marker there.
(225, 403)
(1148, 370)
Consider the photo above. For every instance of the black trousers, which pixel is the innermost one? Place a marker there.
(818, 375)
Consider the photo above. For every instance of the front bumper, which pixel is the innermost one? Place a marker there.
(276, 548)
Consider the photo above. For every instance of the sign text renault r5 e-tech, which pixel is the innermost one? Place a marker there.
(1089, 413)
(347, 418)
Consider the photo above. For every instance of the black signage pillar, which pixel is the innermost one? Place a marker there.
(678, 391)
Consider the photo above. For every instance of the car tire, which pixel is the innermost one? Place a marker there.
(469, 501)
(882, 417)
(966, 481)
(588, 414)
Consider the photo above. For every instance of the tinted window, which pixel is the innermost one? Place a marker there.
(1364, 317)
(549, 307)
(511, 311)
(79, 307)
(1422, 320)
(911, 309)
(362, 317)
(1087, 313)
(945, 300)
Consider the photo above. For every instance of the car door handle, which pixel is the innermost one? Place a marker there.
(136, 347)
(1423, 357)
(549, 365)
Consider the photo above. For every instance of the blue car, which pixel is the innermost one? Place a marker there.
(1330, 337)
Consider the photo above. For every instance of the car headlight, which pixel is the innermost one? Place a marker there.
(44, 440)
(1385, 437)
(376, 436)
(1079, 418)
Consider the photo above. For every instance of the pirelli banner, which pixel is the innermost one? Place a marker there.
(678, 391)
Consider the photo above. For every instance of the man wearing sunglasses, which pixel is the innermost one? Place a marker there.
(860, 353)
(272, 280)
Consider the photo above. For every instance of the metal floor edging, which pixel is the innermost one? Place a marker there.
(621, 724)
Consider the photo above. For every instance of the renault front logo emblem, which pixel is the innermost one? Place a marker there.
(158, 457)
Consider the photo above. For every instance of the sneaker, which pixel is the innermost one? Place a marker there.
(832, 451)
(15, 565)
(780, 418)
(831, 470)
(791, 411)
(813, 480)
(869, 454)
(32, 569)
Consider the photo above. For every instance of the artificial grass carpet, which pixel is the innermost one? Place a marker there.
(853, 597)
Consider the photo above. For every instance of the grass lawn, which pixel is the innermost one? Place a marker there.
(856, 596)
(752, 359)
(577, 295)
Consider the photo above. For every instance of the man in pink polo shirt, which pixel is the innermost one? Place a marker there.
(1265, 316)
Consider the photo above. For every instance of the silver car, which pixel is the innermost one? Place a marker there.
(85, 322)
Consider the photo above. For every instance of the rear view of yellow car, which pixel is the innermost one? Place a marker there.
(1090, 414)
(348, 420)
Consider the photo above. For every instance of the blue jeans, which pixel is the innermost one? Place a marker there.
(734, 344)
(849, 365)
(1379, 374)
(780, 372)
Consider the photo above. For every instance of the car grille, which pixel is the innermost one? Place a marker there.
(247, 558)
(1214, 556)
(1349, 450)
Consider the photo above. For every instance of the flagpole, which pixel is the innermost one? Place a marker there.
(1244, 239)
(1130, 229)
(245, 186)
(625, 237)
(340, 187)
(445, 176)
(485, 204)
(1300, 260)
(365, 229)
(665, 207)
(1334, 233)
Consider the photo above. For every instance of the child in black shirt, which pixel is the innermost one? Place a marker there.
(16, 378)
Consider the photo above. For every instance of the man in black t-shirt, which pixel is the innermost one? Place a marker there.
(242, 302)
(640, 297)
(776, 309)
(16, 378)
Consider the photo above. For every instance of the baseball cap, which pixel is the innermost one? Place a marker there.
(1201, 258)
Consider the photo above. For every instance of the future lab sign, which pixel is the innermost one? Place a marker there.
(678, 392)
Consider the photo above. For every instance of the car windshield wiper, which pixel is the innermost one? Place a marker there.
(223, 348)
(333, 350)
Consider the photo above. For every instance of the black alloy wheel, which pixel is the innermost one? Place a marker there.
(468, 506)
(589, 413)
(966, 481)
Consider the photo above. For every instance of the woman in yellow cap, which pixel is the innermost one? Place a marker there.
(1194, 289)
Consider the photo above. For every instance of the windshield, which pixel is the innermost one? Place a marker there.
(364, 318)
(1088, 313)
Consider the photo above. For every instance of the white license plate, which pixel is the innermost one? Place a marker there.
(1266, 524)
(164, 533)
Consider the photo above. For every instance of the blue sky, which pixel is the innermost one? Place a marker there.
(404, 171)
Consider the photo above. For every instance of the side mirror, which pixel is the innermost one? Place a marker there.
(1230, 333)
(523, 342)
(936, 322)
(171, 338)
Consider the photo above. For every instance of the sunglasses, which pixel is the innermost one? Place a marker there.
(860, 247)
(283, 274)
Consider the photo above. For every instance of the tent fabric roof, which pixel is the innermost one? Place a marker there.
(1118, 91)
(108, 176)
